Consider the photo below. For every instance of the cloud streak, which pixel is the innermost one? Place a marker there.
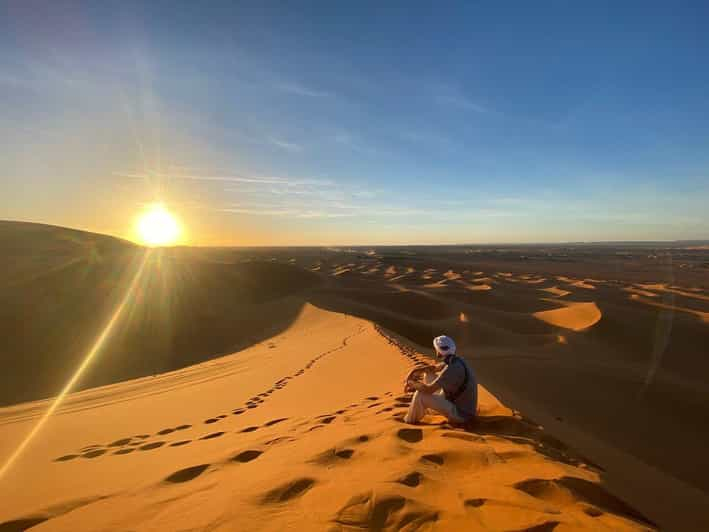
(287, 146)
(226, 178)
(301, 90)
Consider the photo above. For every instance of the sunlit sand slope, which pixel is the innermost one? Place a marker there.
(299, 432)
(574, 316)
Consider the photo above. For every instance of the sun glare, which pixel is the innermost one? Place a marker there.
(157, 226)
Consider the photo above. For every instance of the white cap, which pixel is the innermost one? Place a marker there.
(444, 345)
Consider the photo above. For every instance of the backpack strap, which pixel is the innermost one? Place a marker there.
(454, 396)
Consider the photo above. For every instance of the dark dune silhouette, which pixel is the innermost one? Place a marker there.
(61, 287)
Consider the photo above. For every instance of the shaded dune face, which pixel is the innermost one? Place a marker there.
(317, 451)
(63, 286)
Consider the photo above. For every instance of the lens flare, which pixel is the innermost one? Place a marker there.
(105, 333)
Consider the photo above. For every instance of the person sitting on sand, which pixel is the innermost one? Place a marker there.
(448, 388)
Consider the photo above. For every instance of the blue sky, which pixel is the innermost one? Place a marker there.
(359, 123)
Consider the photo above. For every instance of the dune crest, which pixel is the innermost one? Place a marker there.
(303, 431)
(556, 291)
(574, 316)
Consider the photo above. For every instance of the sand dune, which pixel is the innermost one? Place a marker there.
(703, 316)
(61, 289)
(639, 292)
(556, 291)
(674, 290)
(478, 287)
(583, 284)
(207, 446)
(451, 275)
(574, 316)
(301, 432)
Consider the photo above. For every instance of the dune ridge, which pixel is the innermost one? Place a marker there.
(274, 438)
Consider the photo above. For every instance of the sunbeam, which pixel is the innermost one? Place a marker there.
(98, 344)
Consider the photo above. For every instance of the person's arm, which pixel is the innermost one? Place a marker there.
(413, 374)
(425, 388)
(412, 377)
(443, 377)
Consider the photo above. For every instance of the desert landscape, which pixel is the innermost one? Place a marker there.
(352, 266)
(266, 393)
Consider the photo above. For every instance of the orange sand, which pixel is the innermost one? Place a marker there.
(574, 316)
(299, 432)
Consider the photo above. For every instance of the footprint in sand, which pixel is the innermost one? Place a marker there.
(66, 457)
(433, 458)
(151, 446)
(249, 429)
(94, 454)
(275, 421)
(211, 420)
(412, 480)
(289, 490)
(246, 456)
(127, 450)
(332, 456)
(163, 432)
(180, 443)
(212, 435)
(410, 435)
(120, 443)
(189, 473)
(474, 503)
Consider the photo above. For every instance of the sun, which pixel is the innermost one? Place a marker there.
(157, 226)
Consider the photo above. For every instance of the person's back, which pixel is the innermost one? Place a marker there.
(459, 390)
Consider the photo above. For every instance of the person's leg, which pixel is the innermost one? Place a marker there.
(437, 402)
(416, 409)
(440, 404)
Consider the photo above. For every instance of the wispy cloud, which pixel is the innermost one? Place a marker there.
(289, 213)
(453, 96)
(285, 145)
(301, 90)
(267, 180)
